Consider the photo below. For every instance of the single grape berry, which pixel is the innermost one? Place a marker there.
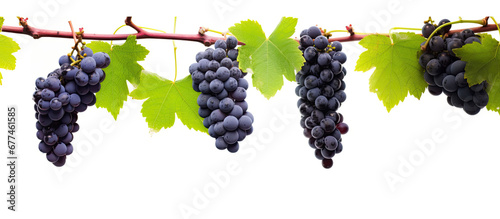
(327, 163)
(427, 29)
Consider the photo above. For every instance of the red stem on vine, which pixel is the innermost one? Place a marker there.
(37, 33)
(72, 31)
(140, 31)
(356, 37)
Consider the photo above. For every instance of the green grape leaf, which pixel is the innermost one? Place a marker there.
(165, 99)
(397, 70)
(269, 58)
(124, 67)
(483, 64)
(7, 47)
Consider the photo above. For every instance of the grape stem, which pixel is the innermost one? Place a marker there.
(345, 31)
(175, 51)
(492, 18)
(357, 37)
(483, 22)
(338, 31)
(400, 28)
(146, 28)
(37, 33)
(203, 30)
(72, 30)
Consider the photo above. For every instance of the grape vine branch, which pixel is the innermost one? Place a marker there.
(270, 67)
(271, 60)
(37, 33)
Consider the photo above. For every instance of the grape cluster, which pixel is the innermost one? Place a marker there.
(59, 97)
(321, 91)
(223, 91)
(444, 71)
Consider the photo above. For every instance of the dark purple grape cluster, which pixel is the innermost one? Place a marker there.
(59, 97)
(445, 72)
(321, 91)
(223, 91)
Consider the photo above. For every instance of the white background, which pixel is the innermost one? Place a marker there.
(121, 169)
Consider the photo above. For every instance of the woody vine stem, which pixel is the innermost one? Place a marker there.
(37, 33)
